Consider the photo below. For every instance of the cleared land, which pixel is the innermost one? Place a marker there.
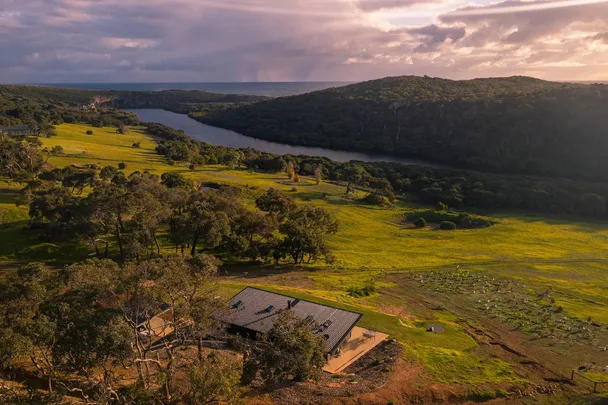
(553, 268)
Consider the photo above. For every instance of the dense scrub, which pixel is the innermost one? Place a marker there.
(517, 124)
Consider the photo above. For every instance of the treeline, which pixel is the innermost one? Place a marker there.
(101, 333)
(179, 101)
(458, 189)
(130, 213)
(511, 125)
(45, 106)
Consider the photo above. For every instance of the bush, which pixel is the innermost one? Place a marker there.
(89, 132)
(420, 223)
(137, 145)
(441, 206)
(192, 167)
(447, 226)
(122, 166)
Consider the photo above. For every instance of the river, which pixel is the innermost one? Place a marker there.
(220, 136)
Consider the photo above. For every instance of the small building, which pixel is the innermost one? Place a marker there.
(155, 325)
(253, 311)
(20, 130)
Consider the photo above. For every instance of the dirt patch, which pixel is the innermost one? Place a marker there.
(369, 373)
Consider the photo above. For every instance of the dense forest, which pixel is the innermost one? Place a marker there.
(517, 125)
(459, 189)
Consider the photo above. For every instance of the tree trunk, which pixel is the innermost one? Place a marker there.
(119, 240)
(157, 244)
(200, 349)
(193, 251)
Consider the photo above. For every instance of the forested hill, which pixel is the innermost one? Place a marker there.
(44, 104)
(516, 124)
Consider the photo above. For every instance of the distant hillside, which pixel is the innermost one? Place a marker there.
(515, 124)
(44, 105)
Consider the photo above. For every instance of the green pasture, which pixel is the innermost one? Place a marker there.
(569, 257)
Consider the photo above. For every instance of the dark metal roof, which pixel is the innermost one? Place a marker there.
(256, 310)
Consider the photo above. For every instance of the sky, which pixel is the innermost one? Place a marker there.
(48, 41)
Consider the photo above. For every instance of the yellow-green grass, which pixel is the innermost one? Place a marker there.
(566, 256)
(371, 239)
(10, 212)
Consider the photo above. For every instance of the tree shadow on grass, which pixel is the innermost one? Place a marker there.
(259, 270)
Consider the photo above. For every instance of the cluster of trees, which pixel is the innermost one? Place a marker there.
(130, 212)
(517, 125)
(459, 189)
(85, 330)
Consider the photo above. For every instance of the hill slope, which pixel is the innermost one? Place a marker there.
(515, 124)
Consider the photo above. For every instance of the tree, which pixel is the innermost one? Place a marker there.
(122, 166)
(305, 230)
(22, 295)
(108, 173)
(290, 170)
(290, 351)
(447, 226)
(253, 235)
(208, 218)
(213, 380)
(318, 175)
(110, 207)
(173, 180)
(275, 202)
(353, 175)
(296, 178)
(420, 223)
(20, 160)
(89, 132)
(57, 151)
(441, 206)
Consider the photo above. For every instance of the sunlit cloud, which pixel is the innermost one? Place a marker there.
(523, 7)
(248, 40)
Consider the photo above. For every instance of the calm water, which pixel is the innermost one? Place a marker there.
(220, 136)
(269, 89)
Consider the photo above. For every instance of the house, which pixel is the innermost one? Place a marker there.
(20, 130)
(253, 311)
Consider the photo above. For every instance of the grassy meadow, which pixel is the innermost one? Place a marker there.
(568, 257)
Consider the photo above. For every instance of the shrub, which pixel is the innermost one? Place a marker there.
(192, 167)
(122, 166)
(420, 223)
(137, 145)
(447, 226)
(441, 206)
(89, 132)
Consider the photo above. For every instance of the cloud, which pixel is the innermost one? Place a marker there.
(275, 40)
(375, 5)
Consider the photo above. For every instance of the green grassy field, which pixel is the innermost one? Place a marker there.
(569, 257)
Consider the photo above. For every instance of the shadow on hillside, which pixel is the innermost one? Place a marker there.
(254, 271)
(579, 224)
